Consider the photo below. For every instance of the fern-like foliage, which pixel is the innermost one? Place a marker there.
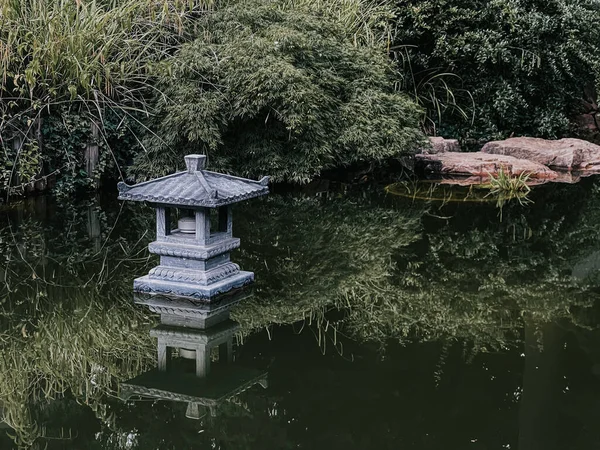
(268, 88)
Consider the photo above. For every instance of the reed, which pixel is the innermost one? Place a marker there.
(87, 50)
(82, 345)
(100, 55)
(505, 186)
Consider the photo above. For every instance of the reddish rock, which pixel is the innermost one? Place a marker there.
(480, 164)
(441, 145)
(565, 154)
(477, 180)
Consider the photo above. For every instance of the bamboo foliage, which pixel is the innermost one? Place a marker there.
(370, 22)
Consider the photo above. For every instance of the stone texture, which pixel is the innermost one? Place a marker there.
(195, 187)
(441, 145)
(564, 154)
(479, 164)
(169, 286)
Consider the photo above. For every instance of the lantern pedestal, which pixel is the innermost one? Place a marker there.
(149, 285)
(194, 256)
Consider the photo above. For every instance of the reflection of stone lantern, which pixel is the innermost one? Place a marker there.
(194, 257)
(196, 344)
(202, 333)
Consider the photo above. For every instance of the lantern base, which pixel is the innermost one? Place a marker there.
(149, 285)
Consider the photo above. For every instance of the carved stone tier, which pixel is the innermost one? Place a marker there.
(186, 250)
(189, 269)
(149, 285)
(194, 276)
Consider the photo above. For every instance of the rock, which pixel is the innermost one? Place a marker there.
(565, 154)
(441, 145)
(476, 180)
(479, 164)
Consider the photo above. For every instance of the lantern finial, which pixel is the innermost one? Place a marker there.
(195, 163)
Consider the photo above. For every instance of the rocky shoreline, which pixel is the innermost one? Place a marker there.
(563, 160)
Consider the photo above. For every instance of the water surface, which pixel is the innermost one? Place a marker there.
(382, 322)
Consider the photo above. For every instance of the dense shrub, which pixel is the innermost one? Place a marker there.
(267, 89)
(526, 62)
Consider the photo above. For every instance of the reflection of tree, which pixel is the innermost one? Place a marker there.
(76, 245)
(80, 344)
(308, 253)
(403, 270)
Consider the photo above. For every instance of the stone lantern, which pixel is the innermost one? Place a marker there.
(194, 256)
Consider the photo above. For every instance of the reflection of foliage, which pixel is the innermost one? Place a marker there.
(67, 323)
(401, 273)
(363, 266)
(474, 279)
(498, 189)
(81, 345)
(78, 247)
(242, 423)
(312, 251)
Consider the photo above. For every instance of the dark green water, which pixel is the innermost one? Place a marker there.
(382, 323)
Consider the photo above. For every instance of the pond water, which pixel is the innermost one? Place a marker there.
(380, 322)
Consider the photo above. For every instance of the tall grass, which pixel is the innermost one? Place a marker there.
(69, 49)
(369, 21)
(100, 54)
(512, 185)
(437, 92)
(504, 186)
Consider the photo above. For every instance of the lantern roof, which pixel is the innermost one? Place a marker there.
(195, 187)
